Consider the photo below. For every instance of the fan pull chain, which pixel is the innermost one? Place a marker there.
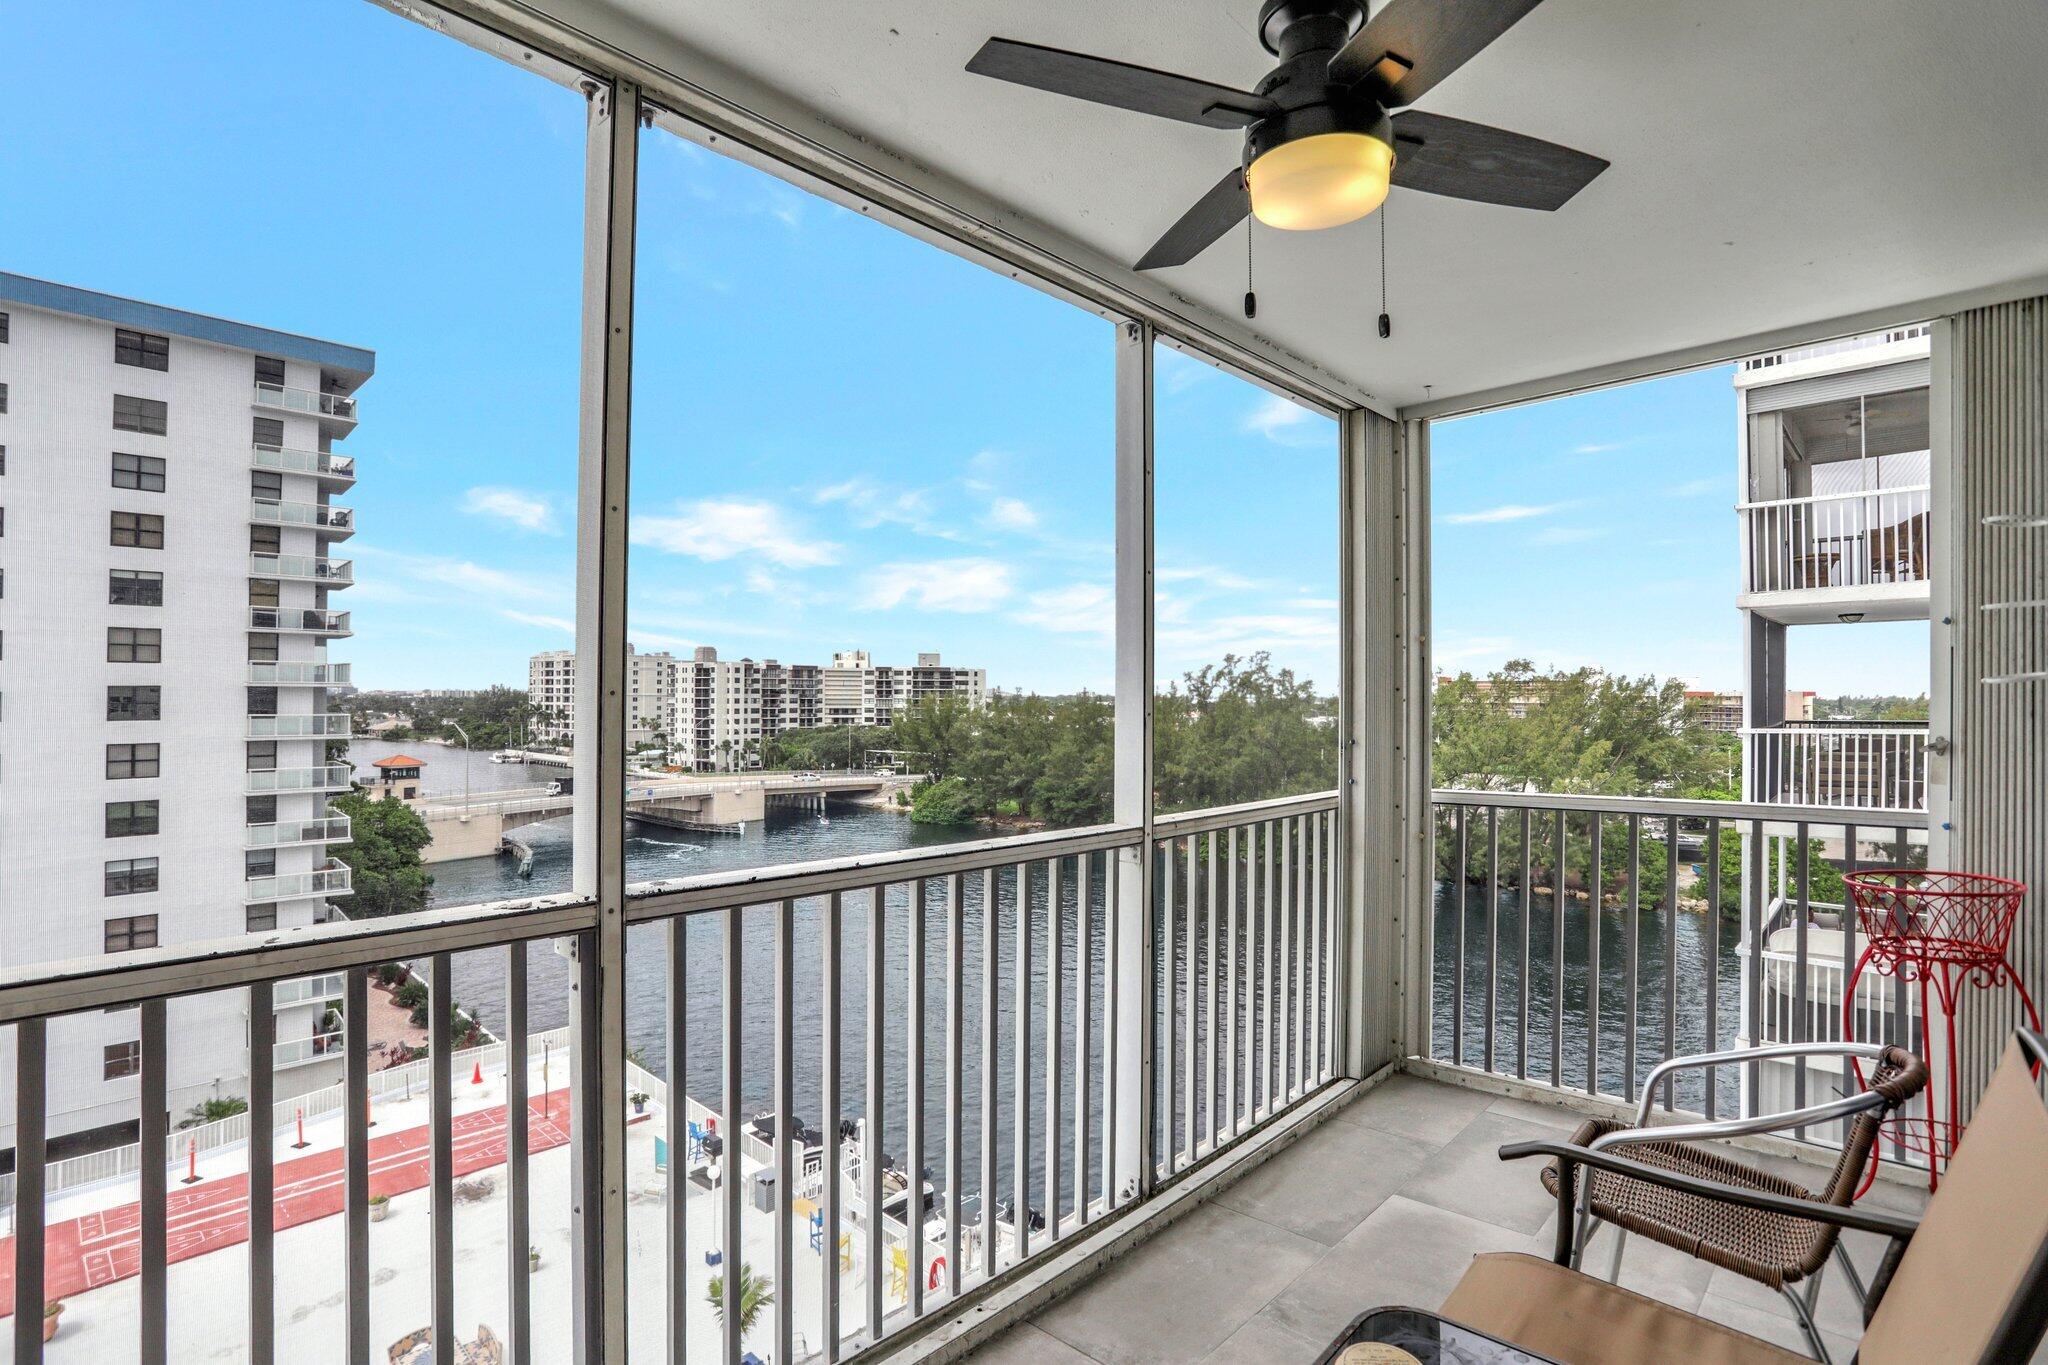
(1251, 300)
(1386, 318)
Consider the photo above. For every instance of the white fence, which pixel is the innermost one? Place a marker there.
(1868, 767)
(1837, 540)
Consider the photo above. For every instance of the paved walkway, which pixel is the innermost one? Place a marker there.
(101, 1248)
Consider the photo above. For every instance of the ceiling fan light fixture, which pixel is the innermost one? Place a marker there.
(1320, 181)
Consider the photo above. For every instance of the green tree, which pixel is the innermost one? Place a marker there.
(756, 1292)
(1241, 731)
(387, 840)
(944, 802)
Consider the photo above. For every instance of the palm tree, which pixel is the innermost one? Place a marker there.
(756, 1292)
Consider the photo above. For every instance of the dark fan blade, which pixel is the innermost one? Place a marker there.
(1116, 83)
(1214, 214)
(1412, 44)
(1449, 156)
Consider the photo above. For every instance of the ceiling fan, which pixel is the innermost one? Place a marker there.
(1320, 146)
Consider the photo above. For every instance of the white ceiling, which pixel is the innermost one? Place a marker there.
(1776, 163)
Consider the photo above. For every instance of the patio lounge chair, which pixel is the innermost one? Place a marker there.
(1967, 1281)
(1778, 1251)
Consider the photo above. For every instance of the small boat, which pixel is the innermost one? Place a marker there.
(508, 756)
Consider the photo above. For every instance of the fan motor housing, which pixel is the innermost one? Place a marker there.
(1288, 28)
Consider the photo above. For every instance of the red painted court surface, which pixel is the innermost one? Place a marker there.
(100, 1248)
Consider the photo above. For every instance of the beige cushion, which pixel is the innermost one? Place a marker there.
(1982, 1229)
(1555, 1311)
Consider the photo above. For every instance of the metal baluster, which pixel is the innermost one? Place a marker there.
(677, 1223)
(1632, 982)
(1189, 909)
(1593, 890)
(1209, 1092)
(441, 1147)
(913, 1133)
(871, 1137)
(788, 1148)
(988, 1073)
(1167, 1003)
(1712, 930)
(1112, 873)
(1492, 935)
(1298, 898)
(1458, 877)
(153, 1179)
(355, 1037)
(1312, 912)
(1557, 953)
(1255, 1024)
(1753, 916)
(1671, 952)
(262, 1176)
(1902, 1033)
(1234, 942)
(1084, 1026)
(1054, 1028)
(1522, 974)
(829, 1009)
(1283, 991)
(1801, 1025)
(31, 1044)
(518, 1115)
(956, 967)
(731, 1250)
(1274, 947)
(1020, 1092)
(1849, 1014)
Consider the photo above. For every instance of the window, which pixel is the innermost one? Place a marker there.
(259, 862)
(3, 459)
(270, 371)
(3, 329)
(259, 810)
(266, 483)
(145, 472)
(149, 416)
(132, 877)
(262, 701)
(135, 588)
(262, 755)
(263, 916)
(267, 431)
(133, 760)
(265, 540)
(126, 818)
(142, 530)
(141, 349)
(263, 592)
(3, 398)
(262, 649)
(121, 1059)
(135, 703)
(134, 645)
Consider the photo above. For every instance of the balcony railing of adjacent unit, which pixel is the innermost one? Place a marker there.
(318, 725)
(1874, 766)
(320, 1047)
(335, 573)
(1679, 972)
(995, 998)
(305, 990)
(268, 674)
(332, 521)
(322, 464)
(327, 777)
(299, 620)
(326, 829)
(331, 879)
(337, 406)
(1836, 540)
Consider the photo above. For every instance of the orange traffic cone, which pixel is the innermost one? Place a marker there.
(476, 1075)
(191, 1164)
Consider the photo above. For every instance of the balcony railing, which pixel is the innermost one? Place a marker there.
(327, 777)
(329, 466)
(319, 725)
(1690, 898)
(306, 989)
(299, 620)
(268, 674)
(1837, 540)
(329, 880)
(336, 523)
(334, 573)
(333, 406)
(997, 1000)
(320, 1047)
(1868, 767)
(328, 829)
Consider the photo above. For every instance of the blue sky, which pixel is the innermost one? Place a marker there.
(844, 438)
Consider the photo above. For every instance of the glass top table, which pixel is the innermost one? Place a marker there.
(1409, 1336)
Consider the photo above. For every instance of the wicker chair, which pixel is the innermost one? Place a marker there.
(1773, 1249)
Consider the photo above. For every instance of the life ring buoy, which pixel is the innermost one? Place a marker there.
(938, 1270)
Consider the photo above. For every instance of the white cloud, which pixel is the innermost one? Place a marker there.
(526, 618)
(871, 505)
(1697, 488)
(1597, 447)
(962, 585)
(1179, 371)
(1464, 650)
(1077, 609)
(1012, 514)
(1279, 419)
(1564, 535)
(1207, 575)
(1506, 512)
(513, 506)
(715, 529)
(401, 577)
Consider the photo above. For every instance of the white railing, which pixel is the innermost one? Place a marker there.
(325, 464)
(286, 994)
(1868, 767)
(264, 674)
(326, 777)
(337, 573)
(1837, 540)
(324, 516)
(299, 620)
(330, 880)
(330, 829)
(318, 725)
(320, 1047)
(335, 405)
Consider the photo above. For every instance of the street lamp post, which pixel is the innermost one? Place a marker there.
(465, 765)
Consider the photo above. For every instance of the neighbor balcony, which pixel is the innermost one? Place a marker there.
(1838, 556)
(337, 412)
(315, 725)
(299, 621)
(325, 777)
(333, 523)
(330, 879)
(334, 677)
(1862, 765)
(331, 573)
(328, 829)
(331, 468)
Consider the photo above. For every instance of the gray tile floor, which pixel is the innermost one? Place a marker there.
(1385, 1203)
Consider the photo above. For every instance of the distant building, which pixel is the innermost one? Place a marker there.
(1723, 710)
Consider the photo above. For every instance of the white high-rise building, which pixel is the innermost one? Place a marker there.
(167, 538)
(551, 689)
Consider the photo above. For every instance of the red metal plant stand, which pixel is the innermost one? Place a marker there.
(1939, 931)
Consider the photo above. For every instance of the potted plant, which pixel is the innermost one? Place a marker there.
(756, 1292)
(380, 1204)
(53, 1311)
(532, 1259)
(639, 1098)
